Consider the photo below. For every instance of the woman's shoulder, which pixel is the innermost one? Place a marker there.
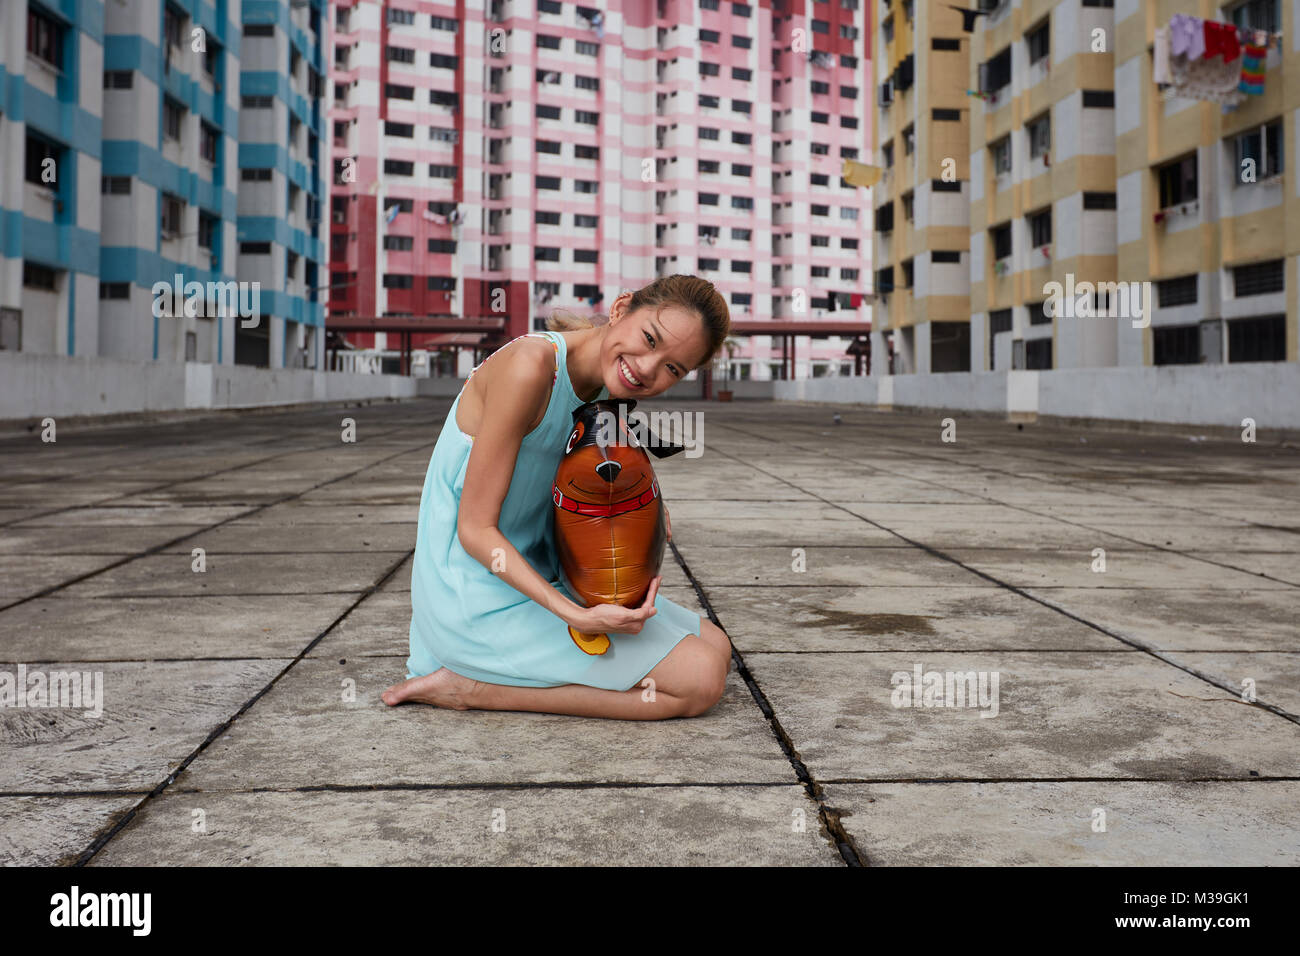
(525, 369)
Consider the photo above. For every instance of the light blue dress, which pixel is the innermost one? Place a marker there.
(469, 620)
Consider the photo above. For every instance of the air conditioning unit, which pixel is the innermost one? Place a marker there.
(885, 95)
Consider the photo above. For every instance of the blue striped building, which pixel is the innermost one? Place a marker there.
(142, 140)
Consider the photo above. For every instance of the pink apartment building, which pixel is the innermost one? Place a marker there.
(495, 160)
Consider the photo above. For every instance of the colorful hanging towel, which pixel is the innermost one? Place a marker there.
(1252, 70)
(1187, 36)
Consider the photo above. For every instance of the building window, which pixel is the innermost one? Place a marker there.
(1095, 201)
(442, 171)
(115, 290)
(1038, 313)
(399, 167)
(398, 243)
(39, 277)
(259, 29)
(255, 175)
(909, 199)
(397, 91)
(1040, 228)
(885, 218)
(42, 155)
(995, 74)
(119, 79)
(1261, 339)
(1177, 182)
(1179, 291)
(1039, 42)
(115, 185)
(546, 182)
(254, 248)
(999, 321)
(1001, 238)
(1040, 135)
(401, 17)
(1001, 151)
(945, 43)
(885, 279)
(173, 216)
(949, 116)
(395, 280)
(208, 231)
(1176, 344)
(887, 155)
(173, 116)
(405, 130)
(443, 61)
(208, 140)
(1262, 149)
(1038, 354)
(1099, 99)
(586, 117)
(44, 37)
(944, 186)
(400, 54)
(586, 83)
(256, 102)
(938, 256)
(547, 112)
(907, 274)
(1257, 15)
(909, 140)
(173, 27)
(1259, 278)
(546, 254)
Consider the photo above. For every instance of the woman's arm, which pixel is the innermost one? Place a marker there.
(519, 384)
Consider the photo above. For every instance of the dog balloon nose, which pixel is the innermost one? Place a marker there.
(609, 470)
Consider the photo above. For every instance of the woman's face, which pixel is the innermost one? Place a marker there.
(658, 350)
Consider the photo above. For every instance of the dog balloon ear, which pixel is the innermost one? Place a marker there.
(661, 450)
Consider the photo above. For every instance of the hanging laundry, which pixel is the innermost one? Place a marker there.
(1187, 36)
(1252, 69)
(1160, 70)
(1221, 38)
(1207, 79)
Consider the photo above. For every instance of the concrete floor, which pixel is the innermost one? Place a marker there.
(838, 557)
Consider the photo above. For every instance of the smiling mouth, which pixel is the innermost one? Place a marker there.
(605, 493)
(626, 373)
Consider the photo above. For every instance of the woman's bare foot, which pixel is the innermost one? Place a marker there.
(442, 688)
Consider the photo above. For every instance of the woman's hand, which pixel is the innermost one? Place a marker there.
(603, 618)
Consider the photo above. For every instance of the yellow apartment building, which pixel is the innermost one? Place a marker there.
(921, 311)
(1113, 221)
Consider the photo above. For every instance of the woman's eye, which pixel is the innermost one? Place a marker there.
(649, 339)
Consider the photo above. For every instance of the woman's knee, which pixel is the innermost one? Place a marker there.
(716, 638)
(709, 680)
